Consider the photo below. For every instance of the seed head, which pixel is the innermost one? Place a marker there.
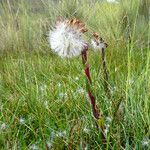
(66, 37)
(97, 42)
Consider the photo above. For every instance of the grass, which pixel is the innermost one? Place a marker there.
(43, 102)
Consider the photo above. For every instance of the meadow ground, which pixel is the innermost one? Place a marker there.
(43, 99)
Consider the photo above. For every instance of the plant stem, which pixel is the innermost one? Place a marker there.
(106, 86)
(89, 82)
(96, 112)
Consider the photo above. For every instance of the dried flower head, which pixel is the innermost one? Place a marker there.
(97, 42)
(66, 37)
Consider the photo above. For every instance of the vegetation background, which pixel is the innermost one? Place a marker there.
(43, 102)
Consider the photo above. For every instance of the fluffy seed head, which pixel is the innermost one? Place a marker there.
(97, 42)
(66, 37)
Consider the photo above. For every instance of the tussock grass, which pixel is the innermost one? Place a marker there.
(42, 97)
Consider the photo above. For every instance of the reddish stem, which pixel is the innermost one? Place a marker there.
(87, 72)
(106, 86)
(94, 107)
(84, 54)
(95, 111)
